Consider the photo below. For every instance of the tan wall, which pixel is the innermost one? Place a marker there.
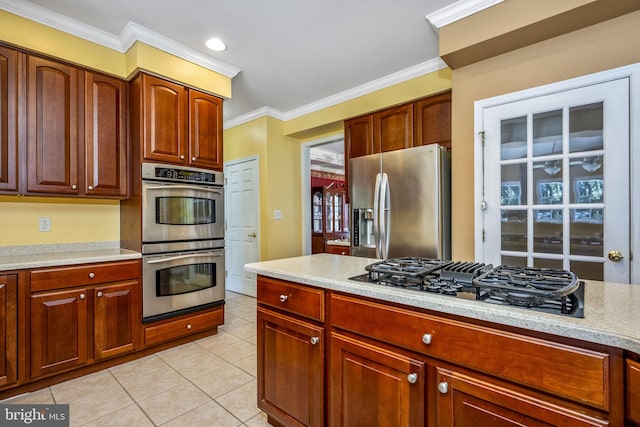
(600, 47)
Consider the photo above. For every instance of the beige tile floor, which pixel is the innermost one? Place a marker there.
(209, 382)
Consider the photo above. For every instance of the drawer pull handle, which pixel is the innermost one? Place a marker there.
(443, 387)
(82, 296)
(188, 327)
(314, 340)
(99, 294)
(91, 275)
(412, 378)
(426, 338)
(283, 298)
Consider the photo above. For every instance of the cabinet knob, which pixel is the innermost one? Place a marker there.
(99, 294)
(74, 187)
(82, 296)
(188, 327)
(314, 340)
(91, 275)
(412, 378)
(193, 159)
(90, 188)
(426, 338)
(283, 298)
(443, 387)
(182, 157)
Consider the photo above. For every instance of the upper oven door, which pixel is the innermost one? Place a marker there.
(178, 212)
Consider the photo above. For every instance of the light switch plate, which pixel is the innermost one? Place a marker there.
(44, 223)
(277, 214)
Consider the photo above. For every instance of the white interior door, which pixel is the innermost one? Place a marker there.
(556, 182)
(242, 216)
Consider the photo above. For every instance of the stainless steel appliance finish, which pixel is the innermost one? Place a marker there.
(401, 203)
(179, 282)
(180, 203)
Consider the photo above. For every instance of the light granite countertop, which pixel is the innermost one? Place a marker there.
(36, 256)
(611, 310)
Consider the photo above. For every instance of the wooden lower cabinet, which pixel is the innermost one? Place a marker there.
(182, 326)
(58, 331)
(116, 314)
(290, 369)
(372, 386)
(8, 329)
(470, 400)
(633, 391)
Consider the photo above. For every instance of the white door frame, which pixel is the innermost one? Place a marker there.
(305, 176)
(255, 158)
(632, 72)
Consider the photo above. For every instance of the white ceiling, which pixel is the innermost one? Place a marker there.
(291, 53)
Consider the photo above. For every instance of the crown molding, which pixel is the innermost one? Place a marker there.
(364, 89)
(131, 33)
(458, 10)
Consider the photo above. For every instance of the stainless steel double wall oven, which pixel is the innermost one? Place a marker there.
(182, 240)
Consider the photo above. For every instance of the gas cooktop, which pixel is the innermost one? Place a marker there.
(540, 289)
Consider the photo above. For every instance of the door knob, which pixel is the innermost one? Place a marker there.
(616, 256)
(252, 234)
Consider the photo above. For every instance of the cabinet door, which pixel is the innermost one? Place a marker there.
(105, 136)
(53, 126)
(467, 400)
(205, 130)
(633, 391)
(116, 316)
(8, 120)
(393, 128)
(290, 369)
(164, 120)
(8, 330)
(433, 120)
(358, 136)
(371, 386)
(58, 331)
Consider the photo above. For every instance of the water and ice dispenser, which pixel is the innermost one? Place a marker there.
(363, 228)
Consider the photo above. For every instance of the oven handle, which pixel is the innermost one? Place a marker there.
(173, 258)
(186, 187)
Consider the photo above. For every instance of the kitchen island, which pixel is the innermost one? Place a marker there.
(436, 356)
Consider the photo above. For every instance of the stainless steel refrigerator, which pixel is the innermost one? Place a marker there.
(401, 203)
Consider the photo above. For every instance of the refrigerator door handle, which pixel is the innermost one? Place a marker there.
(376, 215)
(385, 215)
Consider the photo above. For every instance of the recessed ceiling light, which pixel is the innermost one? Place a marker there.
(216, 44)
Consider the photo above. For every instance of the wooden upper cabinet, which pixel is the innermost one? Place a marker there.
(393, 128)
(433, 120)
(106, 148)
(164, 120)
(358, 136)
(8, 119)
(205, 130)
(53, 126)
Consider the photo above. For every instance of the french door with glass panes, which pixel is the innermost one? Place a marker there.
(556, 182)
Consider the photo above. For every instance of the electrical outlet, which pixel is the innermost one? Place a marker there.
(45, 223)
(277, 214)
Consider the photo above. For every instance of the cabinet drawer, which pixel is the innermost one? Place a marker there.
(633, 391)
(292, 298)
(83, 275)
(183, 327)
(570, 372)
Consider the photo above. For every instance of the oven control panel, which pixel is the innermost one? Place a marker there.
(159, 172)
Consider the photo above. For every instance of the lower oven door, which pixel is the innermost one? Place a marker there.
(181, 282)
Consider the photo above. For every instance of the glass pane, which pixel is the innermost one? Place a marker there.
(513, 138)
(329, 213)
(585, 127)
(586, 179)
(555, 264)
(514, 230)
(185, 211)
(547, 183)
(514, 260)
(337, 211)
(185, 279)
(547, 231)
(588, 270)
(317, 212)
(547, 133)
(587, 231)
(513, 184)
